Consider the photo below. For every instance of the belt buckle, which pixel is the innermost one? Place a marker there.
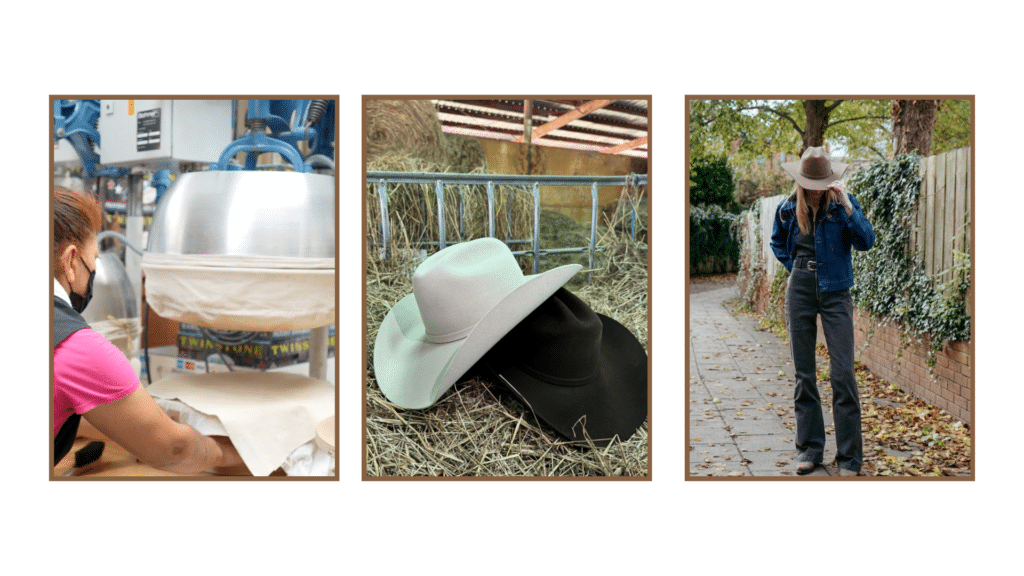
(812, 265)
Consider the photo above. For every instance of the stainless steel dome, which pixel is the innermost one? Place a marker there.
(112, 294)
(246, 213)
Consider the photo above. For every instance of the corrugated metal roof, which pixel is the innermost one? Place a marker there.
(620, 123)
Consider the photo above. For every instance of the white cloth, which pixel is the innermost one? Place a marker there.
(267, 415)
(250, 293)
(306, 460)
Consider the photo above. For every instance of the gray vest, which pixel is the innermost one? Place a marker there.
(65, 323)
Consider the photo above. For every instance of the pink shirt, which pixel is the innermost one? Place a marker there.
(88, 371)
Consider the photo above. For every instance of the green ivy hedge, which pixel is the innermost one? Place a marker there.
(713, 245)
(890, 279)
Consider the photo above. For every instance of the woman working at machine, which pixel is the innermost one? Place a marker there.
(93, 379)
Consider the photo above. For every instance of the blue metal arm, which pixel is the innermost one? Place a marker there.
(257, 142)
(76, 122)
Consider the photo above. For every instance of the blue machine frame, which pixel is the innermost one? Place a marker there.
(76, 121)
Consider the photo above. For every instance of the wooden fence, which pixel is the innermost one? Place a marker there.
(768, 207)
(942, 209)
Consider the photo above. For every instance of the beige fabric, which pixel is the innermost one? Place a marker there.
(325, 434)
(309, 459)
(241, 292)
(267, 415)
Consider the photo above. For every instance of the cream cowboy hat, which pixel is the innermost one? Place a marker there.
(815, 170)
(465, 298)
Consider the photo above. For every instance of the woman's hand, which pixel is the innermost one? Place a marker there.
(838, 193)
(231, 463)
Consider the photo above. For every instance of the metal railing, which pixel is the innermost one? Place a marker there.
(528, 182)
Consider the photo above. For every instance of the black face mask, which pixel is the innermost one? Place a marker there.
(78, 301)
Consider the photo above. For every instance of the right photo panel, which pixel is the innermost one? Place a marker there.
(831, 287)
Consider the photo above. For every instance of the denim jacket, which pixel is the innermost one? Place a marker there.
(834, 235)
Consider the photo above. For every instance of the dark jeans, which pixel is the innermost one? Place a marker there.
(803, 304)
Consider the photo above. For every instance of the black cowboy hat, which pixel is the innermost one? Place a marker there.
(581, 372)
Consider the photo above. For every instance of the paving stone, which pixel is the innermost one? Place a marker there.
(713, 430)
(734, 360)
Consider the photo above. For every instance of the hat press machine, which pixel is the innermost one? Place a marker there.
(227, 209)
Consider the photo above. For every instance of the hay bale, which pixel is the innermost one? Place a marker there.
(465, 155)
(405, 128)
(477, 429)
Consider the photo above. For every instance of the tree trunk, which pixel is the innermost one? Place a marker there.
(815, 122)
(912, 125)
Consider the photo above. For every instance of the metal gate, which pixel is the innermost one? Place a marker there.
(531, 183)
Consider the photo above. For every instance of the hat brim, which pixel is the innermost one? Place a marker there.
(413, 372)
(611, 404)
(793, 169)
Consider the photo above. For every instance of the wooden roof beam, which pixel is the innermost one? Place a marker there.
(625, 146)
(566, 118)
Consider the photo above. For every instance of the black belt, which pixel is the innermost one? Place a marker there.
(807, 263)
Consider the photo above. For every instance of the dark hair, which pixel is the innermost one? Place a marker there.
(76, 217)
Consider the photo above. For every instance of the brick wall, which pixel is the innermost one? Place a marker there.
(947, 386)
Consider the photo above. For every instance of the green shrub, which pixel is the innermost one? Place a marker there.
(713, 245)
(712, 183)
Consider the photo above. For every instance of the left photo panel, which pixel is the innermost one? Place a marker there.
(194, 291)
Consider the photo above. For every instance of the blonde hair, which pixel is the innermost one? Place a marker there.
(802, 207)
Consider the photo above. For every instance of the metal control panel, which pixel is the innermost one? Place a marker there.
(161, 134)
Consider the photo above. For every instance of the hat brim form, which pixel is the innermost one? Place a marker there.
(413, 372)
(793, 169)
(612, 404)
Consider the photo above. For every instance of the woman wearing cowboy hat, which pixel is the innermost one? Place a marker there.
(813, 232)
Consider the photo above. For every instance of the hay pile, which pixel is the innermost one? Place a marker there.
(406, 136)
(477, 429)
(410, 127)
(412, 209)
(613, 227)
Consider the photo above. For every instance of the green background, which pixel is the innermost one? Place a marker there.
(477, 47)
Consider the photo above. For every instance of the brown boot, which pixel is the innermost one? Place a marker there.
(845, 472)
(804, 468)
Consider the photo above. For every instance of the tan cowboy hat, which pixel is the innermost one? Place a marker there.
(815, 170)
(465, 298)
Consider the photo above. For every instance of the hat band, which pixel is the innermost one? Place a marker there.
(816, 176)
(451, 336)
(556, 379)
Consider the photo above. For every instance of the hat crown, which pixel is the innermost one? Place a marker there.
(815, 163)
(456, 287)
(560, 341)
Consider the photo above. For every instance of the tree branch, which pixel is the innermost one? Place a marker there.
(779, 114)
(709, 121)
(829, 109)
(876, 151)
(831, 124)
